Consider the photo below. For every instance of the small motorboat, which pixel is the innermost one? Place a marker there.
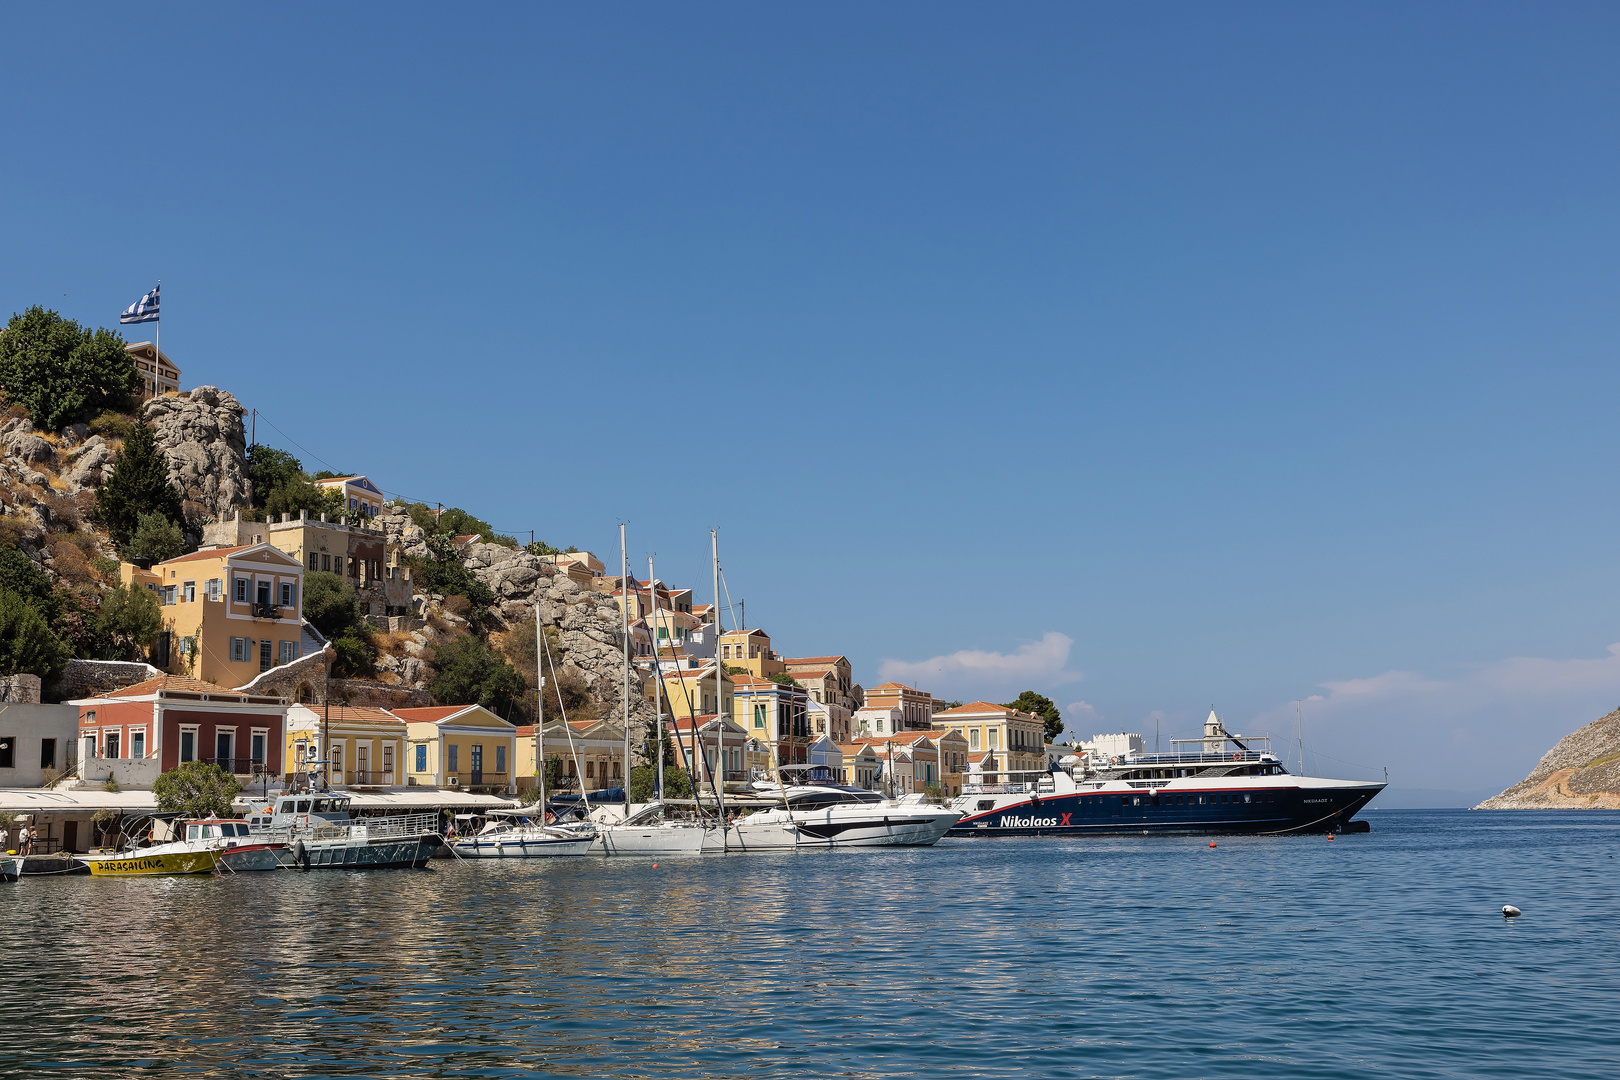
(515, 834)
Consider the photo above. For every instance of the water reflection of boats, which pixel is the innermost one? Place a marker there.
(514, 834)
(197, 847)
(319, 832)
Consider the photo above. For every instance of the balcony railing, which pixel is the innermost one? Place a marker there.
(266, 611)
(482, 778)
(367, 777)
(240, 766)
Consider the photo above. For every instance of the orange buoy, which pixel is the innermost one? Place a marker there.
(1330, 836)
(1212, 843)
(655, 866)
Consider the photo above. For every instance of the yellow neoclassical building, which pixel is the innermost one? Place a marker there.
(689, 692)
(751, 649)
(458, 746)
(1018, 739)
(231, 613)
(365, 746)
(590, 754)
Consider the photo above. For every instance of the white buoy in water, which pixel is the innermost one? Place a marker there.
(1509, 911)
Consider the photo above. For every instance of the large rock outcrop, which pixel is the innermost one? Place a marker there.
(200, 432)
(589, 627)
(1582, 772)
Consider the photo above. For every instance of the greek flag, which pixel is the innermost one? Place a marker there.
(143, 310)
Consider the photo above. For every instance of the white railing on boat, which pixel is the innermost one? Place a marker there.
(385, 828)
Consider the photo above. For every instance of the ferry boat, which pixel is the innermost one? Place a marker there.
(204, 846)
(1220, 783)
(833, 815)
(320, 833)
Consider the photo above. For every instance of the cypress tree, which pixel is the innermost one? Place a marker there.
(139, 484)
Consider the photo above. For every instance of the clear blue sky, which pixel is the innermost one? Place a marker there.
(1204, 353)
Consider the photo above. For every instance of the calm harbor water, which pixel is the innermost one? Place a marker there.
(1382, 954)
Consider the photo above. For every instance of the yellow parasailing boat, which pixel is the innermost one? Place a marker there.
(153, 861)
(206, 844)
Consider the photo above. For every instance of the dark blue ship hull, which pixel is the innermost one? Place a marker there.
(1234, 810)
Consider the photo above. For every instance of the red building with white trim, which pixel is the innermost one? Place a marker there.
(173, 719)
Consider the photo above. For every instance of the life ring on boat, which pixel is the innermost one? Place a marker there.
(1114, 760)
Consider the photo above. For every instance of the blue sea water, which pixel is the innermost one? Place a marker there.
(1383, 954)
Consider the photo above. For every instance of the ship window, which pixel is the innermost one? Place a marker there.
(1247, 797)
(1137, 801)
(303, 806)
(1200, 800)
(987, 804)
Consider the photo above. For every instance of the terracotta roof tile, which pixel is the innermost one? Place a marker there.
(431, 715)
(181, 683)
(206, 553)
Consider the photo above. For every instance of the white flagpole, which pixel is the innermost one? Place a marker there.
(157, 340)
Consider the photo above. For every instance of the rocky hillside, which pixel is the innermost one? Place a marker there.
(588, 626)
(1582, 772)
(47, 499)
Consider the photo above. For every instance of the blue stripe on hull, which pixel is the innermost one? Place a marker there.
(1059, 815)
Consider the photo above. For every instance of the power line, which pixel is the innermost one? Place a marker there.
(386, 491)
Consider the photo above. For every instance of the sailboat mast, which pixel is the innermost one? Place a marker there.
(624, 581)
(658, 704)
(540, 714)
(719, 673)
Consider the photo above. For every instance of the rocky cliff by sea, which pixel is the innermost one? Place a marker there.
(1582, 772)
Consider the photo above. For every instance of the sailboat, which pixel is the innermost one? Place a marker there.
(654, 829)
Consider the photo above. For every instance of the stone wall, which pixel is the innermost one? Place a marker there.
(366, 693)
(302, 680)
(90, 678)
(22, 689)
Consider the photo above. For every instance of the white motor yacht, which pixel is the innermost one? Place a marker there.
(832, 815)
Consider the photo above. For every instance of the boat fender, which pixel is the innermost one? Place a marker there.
(300, 854)
(1510, 912)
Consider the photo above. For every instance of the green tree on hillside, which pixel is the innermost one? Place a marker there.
(267, 469)
(156, 538)
(196, 789)
(470, 672)
(330, 603)
(443, 572)
(139, 484)
(62, 372)
(130, 620)
(332, 607)
(26, 642)
(1040, 705)
(22, 575)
